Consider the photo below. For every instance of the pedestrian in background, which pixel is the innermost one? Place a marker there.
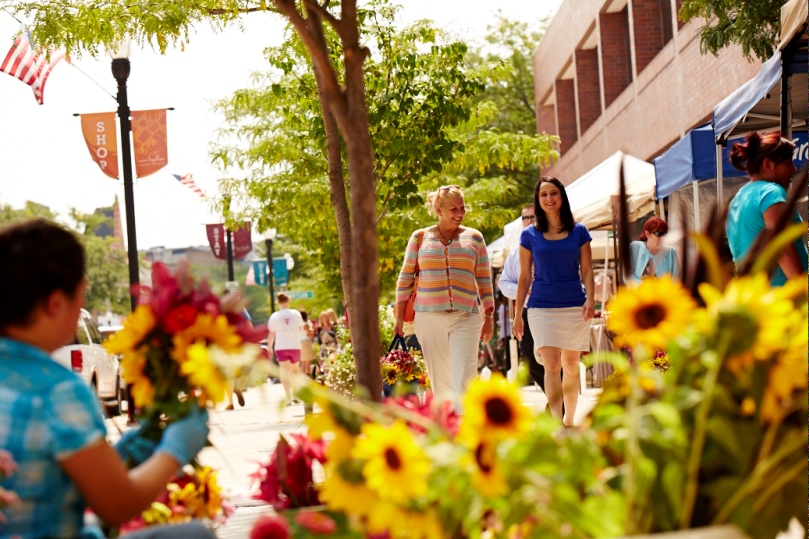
(285, 328)
(50, 420)
(454, 279)
(508, 283)
(767, 158)
(560, 305)
(649, 255)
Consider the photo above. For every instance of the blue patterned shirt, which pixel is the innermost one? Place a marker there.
(46, 414)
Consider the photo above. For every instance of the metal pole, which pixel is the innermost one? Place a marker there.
(120, 70)
(230, 254)
(270, 277)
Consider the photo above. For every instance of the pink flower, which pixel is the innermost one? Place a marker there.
(316, 522)
(270, 527)
(443, 413)
(287, 482)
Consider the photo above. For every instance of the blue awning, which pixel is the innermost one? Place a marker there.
(693, 158)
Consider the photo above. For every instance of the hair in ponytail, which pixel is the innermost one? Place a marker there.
(750, 154)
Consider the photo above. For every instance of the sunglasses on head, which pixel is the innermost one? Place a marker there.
(529, 217)
(657, 233)
(448, 187)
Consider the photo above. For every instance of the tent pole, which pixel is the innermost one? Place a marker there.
(697, 224)
(720, 187)
(662, 209)
(786, 102)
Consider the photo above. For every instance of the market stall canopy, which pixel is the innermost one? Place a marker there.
(693, 158)
(793, 17)
(590, 195)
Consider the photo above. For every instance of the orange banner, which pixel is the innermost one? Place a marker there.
(99, 134)
(149, 136)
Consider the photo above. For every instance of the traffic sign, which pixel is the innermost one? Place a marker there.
(308, 294)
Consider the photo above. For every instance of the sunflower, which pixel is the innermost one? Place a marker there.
(132, 366)
(212, 330)
(487, 476)
(201, 497)
(342, 494)
(751, 317)
(652, 313)
(393, 458)
(136, 327)
(202, 372)
(397, 523)
(493, 411)
(787, 375)
(391, 374)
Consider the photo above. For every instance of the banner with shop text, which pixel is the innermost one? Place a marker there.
(149, 141)
(99, 134)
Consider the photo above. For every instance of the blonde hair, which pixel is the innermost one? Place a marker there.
(435, 198)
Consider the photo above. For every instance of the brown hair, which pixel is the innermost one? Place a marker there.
(442, 193)
(282, 298)
(750, 155)
(654, 224)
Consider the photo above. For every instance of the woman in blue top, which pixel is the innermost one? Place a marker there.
(649, 256)
(561, 302)
(758, 204)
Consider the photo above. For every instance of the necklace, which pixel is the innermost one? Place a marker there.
(443, 237)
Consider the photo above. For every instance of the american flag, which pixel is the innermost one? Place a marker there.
(32, 69)
(188, 181)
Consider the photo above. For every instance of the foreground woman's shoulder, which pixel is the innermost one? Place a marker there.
(470, 233)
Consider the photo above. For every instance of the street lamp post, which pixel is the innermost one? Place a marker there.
(269, 236)
(120, 70)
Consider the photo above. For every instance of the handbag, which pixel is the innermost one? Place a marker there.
(410, 306)
(397, 343)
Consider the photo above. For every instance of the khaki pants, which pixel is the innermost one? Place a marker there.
(450, 342)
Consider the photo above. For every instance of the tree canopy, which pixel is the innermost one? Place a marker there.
(753, 24)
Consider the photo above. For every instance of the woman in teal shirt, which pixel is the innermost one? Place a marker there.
(758, 204)
(650, 257)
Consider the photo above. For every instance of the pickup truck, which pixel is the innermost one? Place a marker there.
(86, 357)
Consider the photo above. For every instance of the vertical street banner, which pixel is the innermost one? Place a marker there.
(242, 243)
(260, 272)
(149, 140)
(99, 134)
(217, 240)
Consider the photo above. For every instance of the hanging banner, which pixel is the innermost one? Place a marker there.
(242, 243)
(217, 240)
(149, 141)
(99, 134)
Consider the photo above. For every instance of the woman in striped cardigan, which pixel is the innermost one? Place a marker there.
(454, 285)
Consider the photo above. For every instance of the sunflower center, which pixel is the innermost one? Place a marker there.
(498, 411)
(392, 458)
(480, 458)
(650, 316)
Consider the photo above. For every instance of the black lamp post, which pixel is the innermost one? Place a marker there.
(120, 70)
(269, 236)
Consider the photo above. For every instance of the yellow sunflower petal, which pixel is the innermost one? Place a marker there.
(494, 411)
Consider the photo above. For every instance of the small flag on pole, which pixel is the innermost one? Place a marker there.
(32, 69)
(188, 181)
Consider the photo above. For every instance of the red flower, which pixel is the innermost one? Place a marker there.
(316, 522)
(443, 413)
(179, 318)
(287, 482)
(270, 527)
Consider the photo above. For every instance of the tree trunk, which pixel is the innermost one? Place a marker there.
(338, 193)
(348, 107)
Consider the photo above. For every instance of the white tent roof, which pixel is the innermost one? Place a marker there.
(590, 195)
(793, 16)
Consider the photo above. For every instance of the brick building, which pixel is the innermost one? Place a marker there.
(626, 75)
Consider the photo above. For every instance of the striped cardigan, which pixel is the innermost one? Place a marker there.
(451, 277)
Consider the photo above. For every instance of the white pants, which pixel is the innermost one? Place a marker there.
(449, 341)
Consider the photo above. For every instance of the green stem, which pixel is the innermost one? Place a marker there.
(784, 478)
(700, 433)
(632, 445)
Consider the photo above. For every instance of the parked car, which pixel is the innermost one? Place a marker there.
(99, 369)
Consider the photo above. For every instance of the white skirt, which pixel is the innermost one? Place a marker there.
(561, 328)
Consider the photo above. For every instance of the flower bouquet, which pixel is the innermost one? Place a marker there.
(182, 347)
(403, 366)
(193, 494)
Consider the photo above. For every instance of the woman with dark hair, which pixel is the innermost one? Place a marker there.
(561, 302)
(650, 256)
(767, 158)
(50, 420)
